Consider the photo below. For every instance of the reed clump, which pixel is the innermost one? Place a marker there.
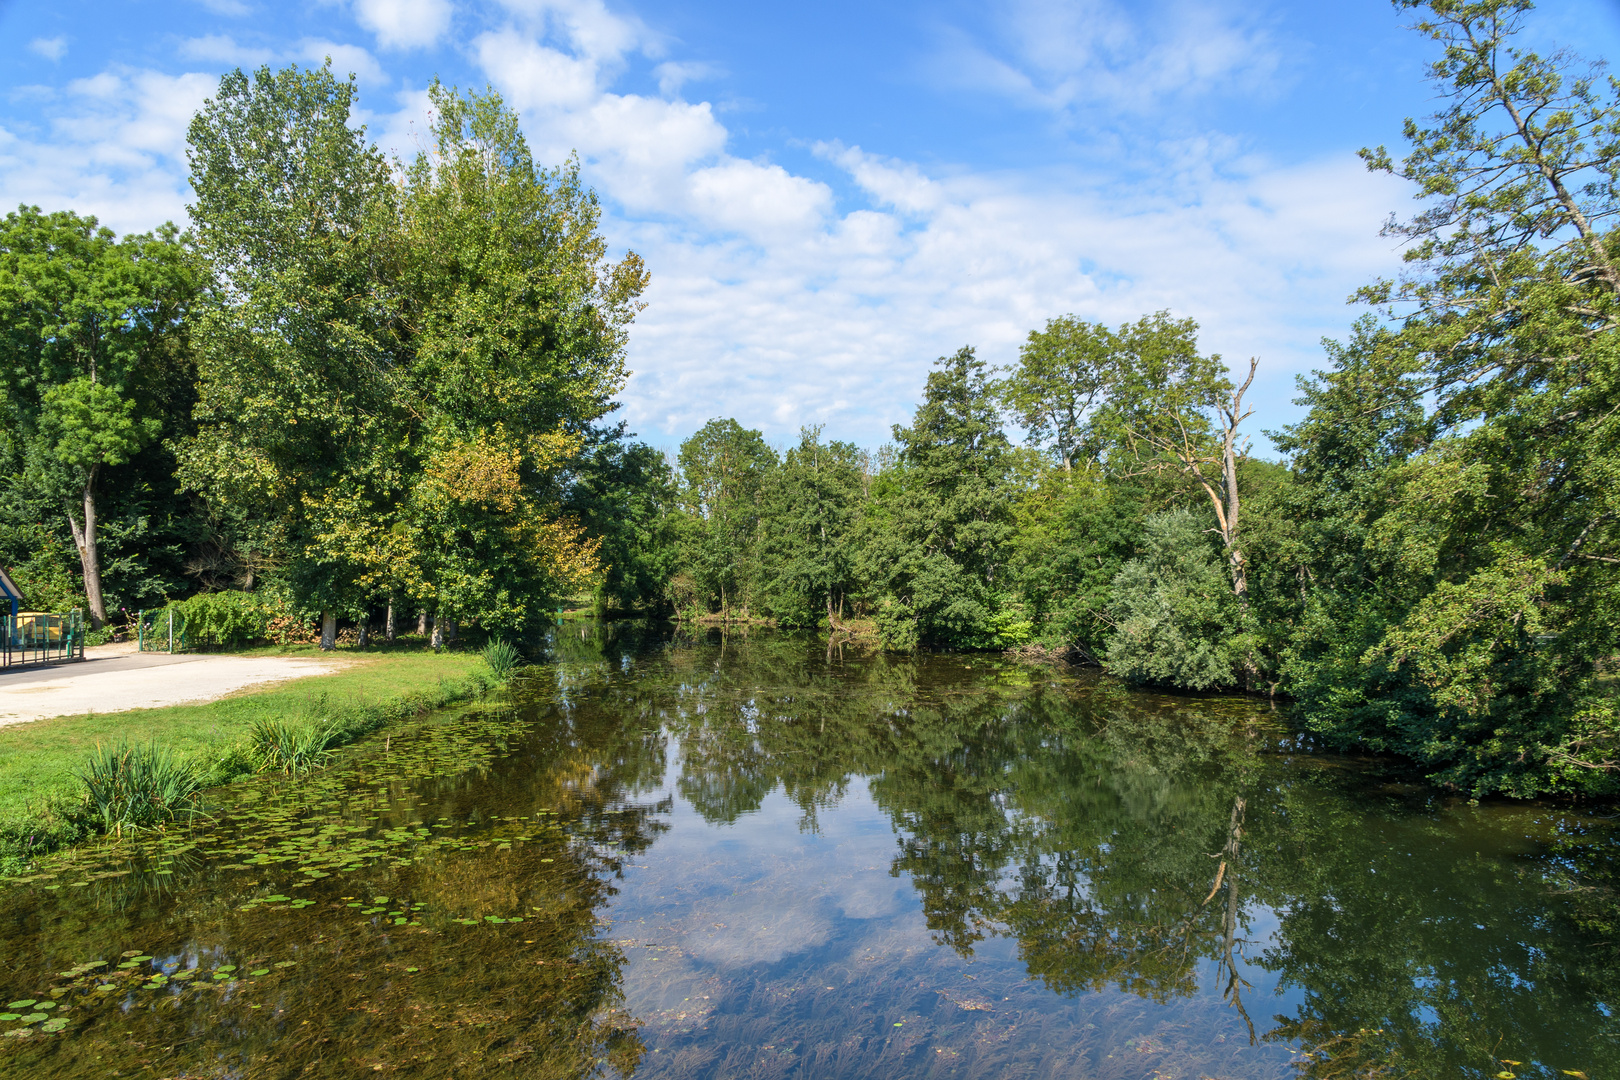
(502, 657)
(291, 747)
(131, 786)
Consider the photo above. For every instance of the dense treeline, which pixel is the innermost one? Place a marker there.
(359, 386)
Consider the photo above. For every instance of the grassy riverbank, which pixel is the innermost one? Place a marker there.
(40, 760)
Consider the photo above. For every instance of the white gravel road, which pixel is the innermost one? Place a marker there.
(115, 678)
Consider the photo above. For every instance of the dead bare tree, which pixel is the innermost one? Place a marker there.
(1212, 465)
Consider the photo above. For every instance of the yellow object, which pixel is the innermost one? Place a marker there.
(37, 627)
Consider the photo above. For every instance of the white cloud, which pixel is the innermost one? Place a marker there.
(52, 48)
(586, 27)
(534, 76)
(673, 74)
(115, 148)
(1065, 55)
(223, 49)
(839, 323)
(404, 24)
(345, 59)
(757, 200)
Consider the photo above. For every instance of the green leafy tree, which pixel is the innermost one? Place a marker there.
(1485, 504)
(1073, 532)
(511, 323)
(90, 329)
(625, 494)
(810, 508)
(935, 541)
(297, 419)
(1176, 412)
(724, 468)
(1063, 373)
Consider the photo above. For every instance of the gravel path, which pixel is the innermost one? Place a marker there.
(114, 678)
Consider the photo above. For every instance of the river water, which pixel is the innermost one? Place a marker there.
(696, 856)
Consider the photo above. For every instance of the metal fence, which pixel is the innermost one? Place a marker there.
(34, 637)
(163, 630)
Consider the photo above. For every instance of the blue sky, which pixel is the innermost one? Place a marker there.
(829, 196)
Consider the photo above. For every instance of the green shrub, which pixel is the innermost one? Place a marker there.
(1177, 619)
(223, 618)
(896, 626)
(137, 787)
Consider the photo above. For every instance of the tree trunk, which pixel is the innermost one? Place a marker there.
(438, 631)
(84, 538)
(365, 629)
(422, 623)
(328, 631)
(390, 622)
(449, 631)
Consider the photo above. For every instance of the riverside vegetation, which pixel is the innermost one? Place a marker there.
(75, 778)
(357, 388)
(674, 852)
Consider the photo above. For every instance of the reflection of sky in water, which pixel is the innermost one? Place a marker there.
(761, 937)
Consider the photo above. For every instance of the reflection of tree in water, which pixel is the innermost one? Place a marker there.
(1127, 840)
(536, 998)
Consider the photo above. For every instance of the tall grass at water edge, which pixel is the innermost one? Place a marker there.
(142, 795)
(291, 747)
(137, 787)
(502, 657)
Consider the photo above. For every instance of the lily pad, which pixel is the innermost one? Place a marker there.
(259, 971)
(8, 1017)
(36, 1017)
(54, 1025)
(46, 1005)
(285, 963)
(23, 1004)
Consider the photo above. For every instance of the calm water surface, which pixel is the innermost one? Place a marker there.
(686, 857)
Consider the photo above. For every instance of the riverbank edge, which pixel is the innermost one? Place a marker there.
(59, 824)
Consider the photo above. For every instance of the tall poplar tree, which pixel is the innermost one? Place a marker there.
(511, 322)
(297, 418)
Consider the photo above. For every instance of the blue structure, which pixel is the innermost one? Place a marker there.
(9, 593)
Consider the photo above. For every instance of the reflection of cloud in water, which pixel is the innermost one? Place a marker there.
(760, 926)
(871, 897)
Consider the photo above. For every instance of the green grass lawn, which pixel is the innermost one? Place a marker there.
(43, 756)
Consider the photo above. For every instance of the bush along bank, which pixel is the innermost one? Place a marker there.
(130, 786)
